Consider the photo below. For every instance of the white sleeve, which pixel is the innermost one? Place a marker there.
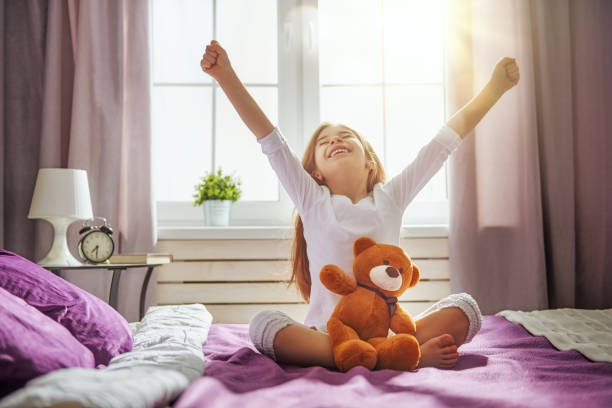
(301, 187)
(406, 185)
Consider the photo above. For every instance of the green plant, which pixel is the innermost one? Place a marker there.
(217, 186)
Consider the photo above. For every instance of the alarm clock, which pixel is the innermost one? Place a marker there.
(96, 245)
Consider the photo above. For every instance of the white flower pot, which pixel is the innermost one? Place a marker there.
(217, 212)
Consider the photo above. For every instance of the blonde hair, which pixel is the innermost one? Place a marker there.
(300, 275)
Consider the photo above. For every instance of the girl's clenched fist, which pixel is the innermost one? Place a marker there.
(215, 61)
(505, 75)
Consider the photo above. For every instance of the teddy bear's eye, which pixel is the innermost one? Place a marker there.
(401, 270)
(386, 262)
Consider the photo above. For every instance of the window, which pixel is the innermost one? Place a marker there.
(375, 65)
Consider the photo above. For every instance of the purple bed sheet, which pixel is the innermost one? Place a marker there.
(503, 366)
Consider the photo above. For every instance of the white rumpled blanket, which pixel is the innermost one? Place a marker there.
(166, 357)
(587, 331)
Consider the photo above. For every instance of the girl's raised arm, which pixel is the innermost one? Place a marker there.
(406, 185)
(300, 186)
(215, 63)
(505, 76)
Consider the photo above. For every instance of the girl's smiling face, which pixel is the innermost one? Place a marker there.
(338, 149)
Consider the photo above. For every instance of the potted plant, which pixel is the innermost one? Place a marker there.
(216, 192)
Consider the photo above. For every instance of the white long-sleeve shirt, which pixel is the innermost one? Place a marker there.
(332, 223)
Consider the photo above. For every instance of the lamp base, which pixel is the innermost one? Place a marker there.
(59, 254)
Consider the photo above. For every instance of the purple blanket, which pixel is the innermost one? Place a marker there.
(503, 366)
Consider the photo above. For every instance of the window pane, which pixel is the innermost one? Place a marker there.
(358, 107)
(413, 40)
(414, 116)
(182, 137)
(247, 30)
(181, 30)
(350, 41)
(237, 149)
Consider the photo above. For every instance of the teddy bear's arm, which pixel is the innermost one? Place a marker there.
(402, 322)
(336, 280)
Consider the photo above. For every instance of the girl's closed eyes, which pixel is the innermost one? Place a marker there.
(346, 136)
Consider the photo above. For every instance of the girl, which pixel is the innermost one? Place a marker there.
(339, 194)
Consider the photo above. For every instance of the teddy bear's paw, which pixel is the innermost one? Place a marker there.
(354, 353)
(399, 352)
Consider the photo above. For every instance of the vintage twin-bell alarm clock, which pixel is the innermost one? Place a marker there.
(97, 245)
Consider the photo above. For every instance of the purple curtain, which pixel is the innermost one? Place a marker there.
(531, 187)
(77, 95)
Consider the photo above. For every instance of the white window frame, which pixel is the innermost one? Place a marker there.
(298, 116)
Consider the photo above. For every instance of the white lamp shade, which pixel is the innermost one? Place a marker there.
(62, 193)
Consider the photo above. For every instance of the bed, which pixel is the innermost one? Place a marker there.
(504, 366)
(179, 358)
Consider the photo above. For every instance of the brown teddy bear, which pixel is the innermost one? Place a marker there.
(359, 326)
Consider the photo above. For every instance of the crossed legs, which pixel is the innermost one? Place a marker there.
(439, 333)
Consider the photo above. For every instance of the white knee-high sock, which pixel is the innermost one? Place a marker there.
(467, 304)
(263, 328)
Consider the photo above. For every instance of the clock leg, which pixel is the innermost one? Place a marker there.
(114, 289)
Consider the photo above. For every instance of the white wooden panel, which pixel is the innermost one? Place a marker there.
(227, 249)
(425, 247)
(169, 293)
(278, 248)
(226, 293)
(218, 271)
(433, 268)
(242, 313)
(211, 271)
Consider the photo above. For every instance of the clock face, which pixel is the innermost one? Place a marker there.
(97, 246)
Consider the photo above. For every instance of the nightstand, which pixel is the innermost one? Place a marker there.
(114, 288)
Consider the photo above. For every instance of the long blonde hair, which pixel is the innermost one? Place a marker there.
(299, 258)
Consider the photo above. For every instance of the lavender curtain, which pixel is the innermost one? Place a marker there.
(531, 188)
(76, 95)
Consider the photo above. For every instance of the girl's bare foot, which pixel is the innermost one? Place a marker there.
(439, 352)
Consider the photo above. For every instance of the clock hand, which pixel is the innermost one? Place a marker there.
(96, 250)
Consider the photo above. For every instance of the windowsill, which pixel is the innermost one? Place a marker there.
(277, 232)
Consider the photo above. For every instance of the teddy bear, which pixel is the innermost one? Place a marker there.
(359, 326)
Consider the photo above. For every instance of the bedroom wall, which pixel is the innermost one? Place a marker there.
(236, 278)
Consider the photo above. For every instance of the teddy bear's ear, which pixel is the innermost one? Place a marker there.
(361, 244)
(416, 274)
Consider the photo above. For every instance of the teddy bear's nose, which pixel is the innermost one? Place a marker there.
(392, 272)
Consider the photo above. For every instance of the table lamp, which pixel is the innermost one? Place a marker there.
(61, 196)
